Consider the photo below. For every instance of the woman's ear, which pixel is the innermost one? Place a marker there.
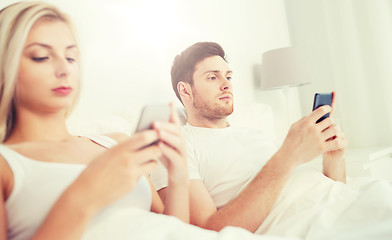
(184, 90)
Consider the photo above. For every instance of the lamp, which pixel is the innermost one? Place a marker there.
(283, 68)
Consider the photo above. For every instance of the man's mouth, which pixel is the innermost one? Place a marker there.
(226, 98)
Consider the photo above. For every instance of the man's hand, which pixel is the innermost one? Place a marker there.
(306, 139)
(334, 159)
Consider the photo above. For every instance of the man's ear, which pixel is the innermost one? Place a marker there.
(184, 90)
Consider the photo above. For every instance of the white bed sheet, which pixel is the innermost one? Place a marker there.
(132, 223)
(312, 206)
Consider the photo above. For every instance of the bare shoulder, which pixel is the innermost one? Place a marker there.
(4, 167)
(118, 136)
(6, 177)
(5, 188)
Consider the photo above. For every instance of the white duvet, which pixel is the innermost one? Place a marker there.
(310, 207)
(136, 224)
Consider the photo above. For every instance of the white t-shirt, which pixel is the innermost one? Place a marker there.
(226, 159)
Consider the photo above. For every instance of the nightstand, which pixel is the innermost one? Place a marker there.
(374, 162)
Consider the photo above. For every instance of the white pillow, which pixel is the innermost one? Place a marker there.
(257, 116)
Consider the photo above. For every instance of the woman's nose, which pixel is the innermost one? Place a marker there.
(62, 68)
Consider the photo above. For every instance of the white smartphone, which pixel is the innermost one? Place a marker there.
(151, 113)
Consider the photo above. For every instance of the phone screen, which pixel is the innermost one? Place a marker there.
(321, 99)
(151, 113)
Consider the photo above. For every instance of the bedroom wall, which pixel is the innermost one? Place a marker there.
(348, 44)
(128, 47)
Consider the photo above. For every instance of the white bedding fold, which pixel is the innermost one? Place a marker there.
(144, 225)
(312, 206)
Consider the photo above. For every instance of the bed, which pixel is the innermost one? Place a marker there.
(311, 206)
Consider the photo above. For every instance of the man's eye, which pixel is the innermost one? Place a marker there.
(212, 78)
(39, 59)
(71, 60)
(228, 78)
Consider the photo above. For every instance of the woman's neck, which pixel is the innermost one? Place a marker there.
(44, 127)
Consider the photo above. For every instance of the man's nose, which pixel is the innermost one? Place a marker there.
(226, 85)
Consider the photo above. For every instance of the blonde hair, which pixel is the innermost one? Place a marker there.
(16, 22)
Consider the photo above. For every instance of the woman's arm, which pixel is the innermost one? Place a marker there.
(5, 185)
(121, 166)
(3, 217)
(69, 216)
(173, 147)
(156, 205)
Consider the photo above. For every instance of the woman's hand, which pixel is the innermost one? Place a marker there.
(106, 179)
(117, 171)
(173, 147)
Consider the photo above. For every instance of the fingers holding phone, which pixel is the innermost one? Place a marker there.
(322, 99)
(117, 171)
(319, 114)
(333, 134)
(334, 156)
(173, 145)
(164, 120)
(337, 141)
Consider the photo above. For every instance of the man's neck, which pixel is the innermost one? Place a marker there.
(208, 123)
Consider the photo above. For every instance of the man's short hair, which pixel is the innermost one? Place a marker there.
(184, 64)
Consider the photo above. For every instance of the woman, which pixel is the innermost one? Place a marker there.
(54, 184)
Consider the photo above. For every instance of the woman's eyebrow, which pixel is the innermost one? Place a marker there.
(48, 46)
(39, 44)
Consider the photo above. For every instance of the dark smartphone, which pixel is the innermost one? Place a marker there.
(321, 99)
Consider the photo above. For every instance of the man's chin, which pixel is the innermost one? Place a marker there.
(226, 112)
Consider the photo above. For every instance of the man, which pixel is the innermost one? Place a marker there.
(237, 175)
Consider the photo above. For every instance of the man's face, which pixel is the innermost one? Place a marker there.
(212, 90)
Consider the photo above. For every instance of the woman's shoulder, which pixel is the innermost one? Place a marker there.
(117, 136)
(5, 177)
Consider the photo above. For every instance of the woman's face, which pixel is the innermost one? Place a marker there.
(48, 77)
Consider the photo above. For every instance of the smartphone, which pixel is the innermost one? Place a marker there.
(151, 113)
(321, 99)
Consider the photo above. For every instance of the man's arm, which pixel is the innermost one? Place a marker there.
(248, 210)
(253, 205)
(258, 197)
(334, 167)
(334, 161)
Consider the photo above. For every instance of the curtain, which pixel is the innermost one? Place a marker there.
(349, 47)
